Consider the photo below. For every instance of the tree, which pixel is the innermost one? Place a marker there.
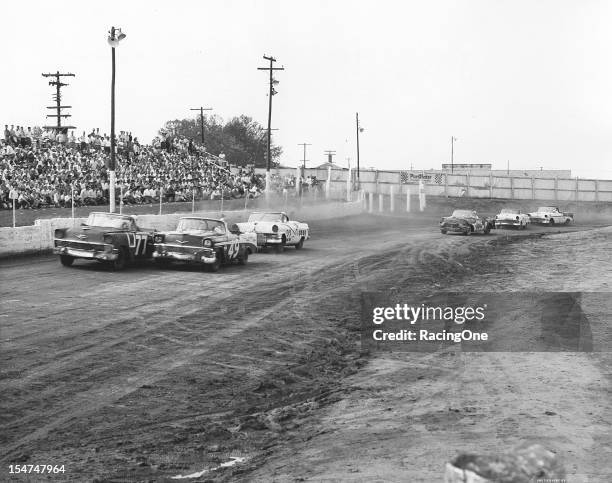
(242, 140)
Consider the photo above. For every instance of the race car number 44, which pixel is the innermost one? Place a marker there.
(48, 469)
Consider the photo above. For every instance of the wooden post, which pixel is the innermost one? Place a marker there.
(596, 190)
(532, 188)
(577, 189)
(72, 200)
(467, 184)
(193, 199)
(511, 187)
(490, 185)
(380, 202)
(391, 198)
(422, 200)
(376, 180)
(371, 202)
(556, 188)
(14, 217)
(161, 197)
(445, 185)
(408, 198)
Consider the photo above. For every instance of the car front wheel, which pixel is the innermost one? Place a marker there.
(121, 261)
(66, 260)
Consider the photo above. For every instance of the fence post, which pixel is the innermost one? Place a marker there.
(399, 184)
(72, 201)
(556, 188)
(193, 200)
(376, 180)
(161, 197)
(380, 202)
(532, 188)
(221, 210)
(391, 198)
(490, 185)
(328, 184)
(577, 188)
(408, 198)
(120, 200)
(511, 187)
(596, 190)
(467, 184)
(371, 202)
(348, 185)
(446, 185)
(422, 200)
(14, 218)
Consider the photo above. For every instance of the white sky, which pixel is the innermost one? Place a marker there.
(525, 81)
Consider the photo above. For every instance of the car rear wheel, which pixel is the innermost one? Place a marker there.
(121, 261)
(66, 260)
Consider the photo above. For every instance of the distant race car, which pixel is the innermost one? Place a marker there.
(106, 237)
(205, 241)
(466, 222)
(550, 215)
(512, 217)
(274, 229)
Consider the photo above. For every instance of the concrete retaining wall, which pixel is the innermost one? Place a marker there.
(25, 240)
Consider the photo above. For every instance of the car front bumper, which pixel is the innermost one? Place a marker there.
(507, 223)
(102, 255)
(184, 254)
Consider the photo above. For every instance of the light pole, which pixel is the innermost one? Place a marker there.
(115, 36)
(453, 139)
(358, 129)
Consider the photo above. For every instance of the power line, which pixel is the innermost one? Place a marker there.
(58, 99)
(201, 109)
(304, 160)
(272, 92)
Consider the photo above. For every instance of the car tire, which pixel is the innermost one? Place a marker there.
(213, 267)
(300, 244)
(66, 260)
(568, 221)
(280, 248)
(121, 261)
(244, 258)
(443, 232)
(487, 230)
(552, 222)
(162, 262)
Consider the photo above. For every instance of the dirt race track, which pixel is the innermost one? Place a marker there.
(148, 374)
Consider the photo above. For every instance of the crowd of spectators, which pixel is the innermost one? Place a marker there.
(47, 167)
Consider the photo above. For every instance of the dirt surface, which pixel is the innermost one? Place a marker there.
(145, 375)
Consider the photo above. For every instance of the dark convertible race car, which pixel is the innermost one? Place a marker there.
(105, 237)
(466, 222)
(206, 241)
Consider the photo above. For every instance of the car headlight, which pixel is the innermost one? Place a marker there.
(207, 243)
(108, 239)
(517, 218)
(158, 239)
(60, 233)
(545, 216)
(274, 228)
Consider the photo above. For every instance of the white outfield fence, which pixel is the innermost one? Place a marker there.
(335, 183)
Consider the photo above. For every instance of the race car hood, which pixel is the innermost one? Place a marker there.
(257, 226)
(192, 237)
(86, 233)
(452, 220)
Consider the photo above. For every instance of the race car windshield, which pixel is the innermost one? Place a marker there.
(104, 219)
(462, 213)
(265, 217)
(192, 224)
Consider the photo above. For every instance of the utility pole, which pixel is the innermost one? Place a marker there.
(272, 92)
(202, 109)
(453, 139)
(304, 160)
(330, 155)
(58, 100)
(358, 129)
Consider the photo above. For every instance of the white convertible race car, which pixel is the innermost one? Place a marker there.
(550, 215)
(275, 230)
(512, 217)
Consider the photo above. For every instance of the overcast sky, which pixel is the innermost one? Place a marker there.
(527, 82)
